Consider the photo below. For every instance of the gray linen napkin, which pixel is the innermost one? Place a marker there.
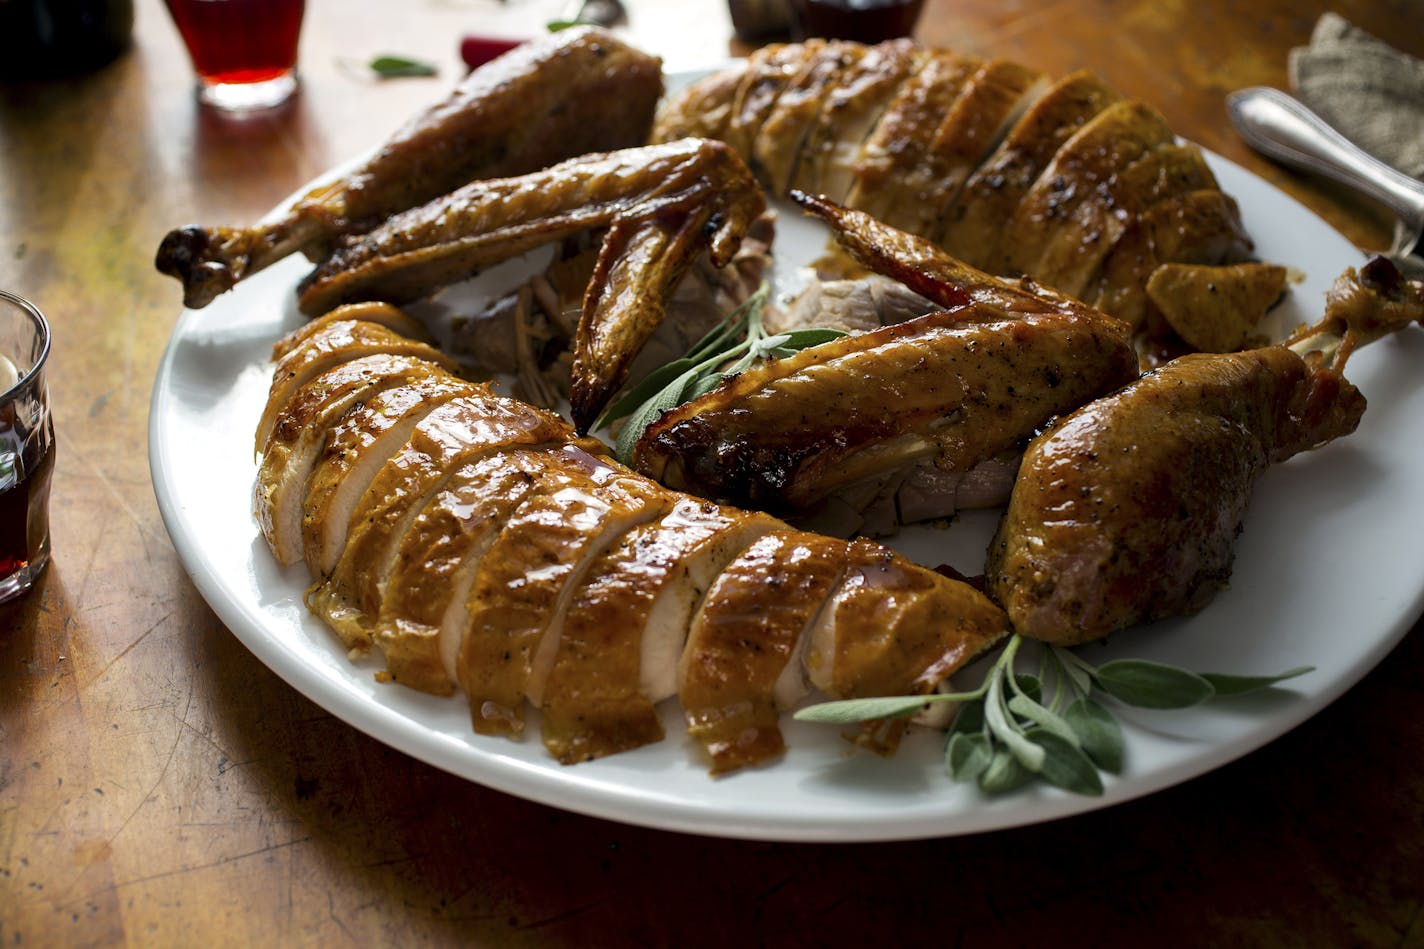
(1370, 91)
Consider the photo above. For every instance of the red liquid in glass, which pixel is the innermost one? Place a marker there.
(868, 21)
(24, 510)
(240, 41)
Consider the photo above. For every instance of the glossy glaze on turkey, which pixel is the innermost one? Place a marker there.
(509, 117)
(1128, 509)
(1066, 181)
(477, 544)
(903, 422)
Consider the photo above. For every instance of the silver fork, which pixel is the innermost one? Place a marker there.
(1281, 127)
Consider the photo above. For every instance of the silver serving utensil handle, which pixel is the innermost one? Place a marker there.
(1279, 126)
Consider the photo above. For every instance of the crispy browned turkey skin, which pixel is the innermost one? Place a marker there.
(580, 90)
(477, 543)
(1128, 509)
(1066, 181)
(898, 416)
(659, 206)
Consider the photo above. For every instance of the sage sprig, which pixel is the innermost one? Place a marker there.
(1050, 725)
(730, 348)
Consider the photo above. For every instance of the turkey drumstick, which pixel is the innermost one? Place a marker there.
(1127, 510)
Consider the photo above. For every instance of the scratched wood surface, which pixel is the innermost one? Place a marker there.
(160, 787)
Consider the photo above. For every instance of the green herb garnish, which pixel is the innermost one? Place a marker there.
(1006, 733)
(393, 67)
(730, 348)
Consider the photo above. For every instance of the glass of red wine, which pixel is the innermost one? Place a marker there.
(26, 445)
(244, 51)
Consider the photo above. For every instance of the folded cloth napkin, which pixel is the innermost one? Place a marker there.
(1368, 90)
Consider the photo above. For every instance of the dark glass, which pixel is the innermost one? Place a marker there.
(26, 445)
(45, 38)
(869, 21)
(759, 21)
(251, 41)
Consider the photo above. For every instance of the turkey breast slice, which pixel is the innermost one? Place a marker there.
(349, 599)
(972, 226)
(742, 665)
(300, 432)
(994, 99)
(892, 627)
(626, 626)
(769, 70)
(1104, 146)
(424, 610)
(1076, 252)
(382, 314)
(355, 450)
(887, 171)
(865, 88)
(331, 343)
(520, 596)
(778, 142)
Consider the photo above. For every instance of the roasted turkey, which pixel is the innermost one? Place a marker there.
(1065, 181)
(904, 422)
(1128, 509)
(509, 117)
(657, 207)
(478, 544)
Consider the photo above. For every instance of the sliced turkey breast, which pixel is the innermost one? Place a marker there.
(300, 431)
(382, 314)
(1073, 256)
(520, 597)
(1156, 183)
(993, 99)
(972, 227)
(1109, 142)
(742, 666)
(769, 71)
(450, 435)
(355, 451)
(330, 344)
(852, 108)
(893, 627)
(627, 623)
(892, 172)
(425, 611)
(778, 142)
(701, 109)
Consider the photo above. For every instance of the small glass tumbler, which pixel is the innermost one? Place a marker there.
(26, 445)
(244, 51)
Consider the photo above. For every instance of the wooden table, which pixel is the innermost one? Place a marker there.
(159, 786)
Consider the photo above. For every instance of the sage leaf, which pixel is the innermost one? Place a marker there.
(1025, 707)
(701, 386)
(1099, 734)
(1007, 732)
(810, 336)
(1004, 773)
(648, 413)
(1074, 669)
(968, 718)
(393, 67)
(1030, 686)
(1065, 765)
(653, 383)
(847, 711)
(1241, 685)
(966, 756)
(1147, 684)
